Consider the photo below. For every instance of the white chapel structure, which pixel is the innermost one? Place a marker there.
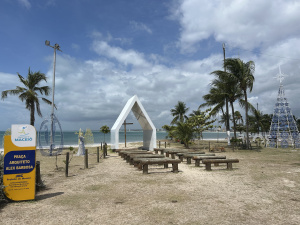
(149, 131)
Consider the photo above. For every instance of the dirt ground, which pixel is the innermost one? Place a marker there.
(263, 188)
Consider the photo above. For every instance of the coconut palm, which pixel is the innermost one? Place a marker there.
(105, 130)
(238, 117)
(218, 98)
(230, 89)
(179, 112)
(215, 98)
(244, 75)
(29, 93)
(184, 131)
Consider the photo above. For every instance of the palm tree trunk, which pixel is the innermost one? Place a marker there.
(233, 119)
(32, 114)
(247, 121)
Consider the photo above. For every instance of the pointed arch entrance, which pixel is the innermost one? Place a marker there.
(149, 130)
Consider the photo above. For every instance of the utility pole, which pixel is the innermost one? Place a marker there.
(55, 47)
(227, 108)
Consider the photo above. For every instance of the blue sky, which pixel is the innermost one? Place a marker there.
(162, 51)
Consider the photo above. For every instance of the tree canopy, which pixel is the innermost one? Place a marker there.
(29, 92)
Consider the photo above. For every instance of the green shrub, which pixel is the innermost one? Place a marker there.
(1, 177)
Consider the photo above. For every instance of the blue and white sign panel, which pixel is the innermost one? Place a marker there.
(23, 135)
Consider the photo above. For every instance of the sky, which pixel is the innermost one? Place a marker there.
(163, 51)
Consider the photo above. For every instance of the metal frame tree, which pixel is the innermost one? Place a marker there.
(283, 130)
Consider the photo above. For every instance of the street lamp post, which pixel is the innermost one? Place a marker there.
(55, 47)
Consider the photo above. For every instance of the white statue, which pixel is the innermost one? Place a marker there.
(81, 148)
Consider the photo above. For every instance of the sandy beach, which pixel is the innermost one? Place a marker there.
(263, 188)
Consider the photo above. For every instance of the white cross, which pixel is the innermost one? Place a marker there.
(280, 76)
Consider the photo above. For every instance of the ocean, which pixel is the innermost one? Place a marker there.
(70, 138)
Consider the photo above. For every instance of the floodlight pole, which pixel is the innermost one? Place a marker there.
(55, 47)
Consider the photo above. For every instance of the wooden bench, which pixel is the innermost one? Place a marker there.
(174, 152)
(130, 157)
(125, 149)
(229, 162)
(189, 156)
(181, 154)
(198, 158)
(123, 154)
(161, 150)
(143, 163)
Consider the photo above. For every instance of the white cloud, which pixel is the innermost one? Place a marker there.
(140, 26)
(125, 57)
(25, 3)
(92, 92)
(96, 90)
(246, 24)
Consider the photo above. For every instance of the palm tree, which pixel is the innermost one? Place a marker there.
(219, 97)
(105, 130)
(244, 75)
(230, 89)
(169, 130)
(29, 93)
(179, 112)
(260, 122)
(216, 98)
(184, 132)
(239, 118)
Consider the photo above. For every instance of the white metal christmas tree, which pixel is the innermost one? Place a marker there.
(283, 130)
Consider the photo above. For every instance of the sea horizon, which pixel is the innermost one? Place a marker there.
(70, 138)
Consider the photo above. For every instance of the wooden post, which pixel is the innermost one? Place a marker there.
(101, 145)
(145, 169)
(209, 146)
(67, 164)
(86, 159)
(105, 150)
(189, 160)
(208, 166)
(158, 144)
(197, 162)
(165, 144)
(97, 154)
(175, 167)
(38, 180)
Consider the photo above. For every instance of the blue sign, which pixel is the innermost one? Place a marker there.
(16, 162)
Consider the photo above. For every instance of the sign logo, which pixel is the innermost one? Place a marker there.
(23, 135)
